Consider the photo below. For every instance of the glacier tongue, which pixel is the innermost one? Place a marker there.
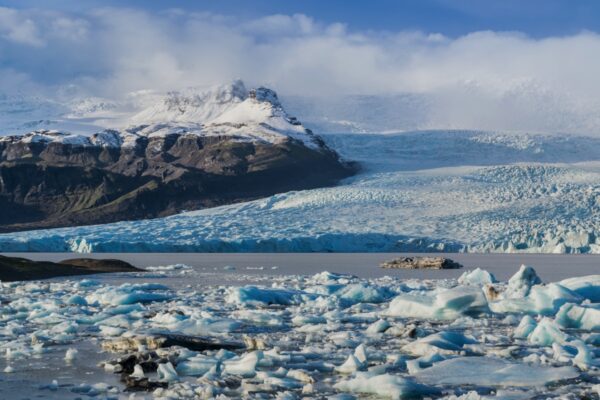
(420, 191)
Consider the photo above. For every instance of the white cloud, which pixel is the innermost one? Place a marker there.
(280, 25)
(488, 80)
(18, 28)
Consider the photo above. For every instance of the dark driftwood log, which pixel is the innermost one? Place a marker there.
(141, 384)
(198, 343)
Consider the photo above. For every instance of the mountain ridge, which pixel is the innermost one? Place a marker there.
(52, 178)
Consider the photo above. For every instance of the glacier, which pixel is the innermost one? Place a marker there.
(422, 191)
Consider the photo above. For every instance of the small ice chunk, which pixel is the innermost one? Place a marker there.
(245, 366)
(259, 295)
(563, 354)
(443, 305)
(71, 354)
(541, 300)
(547, 332)
(138, 372)
(303, 319)
(443, 343)
(477, 277)
(585, 286)
(300, 375)
(9, 369)
(417, 364)
(52, 386)
(77, 300)
(326, 277)
(128, 294)
(166, 372)
(172, 267)
(363, 293)
(488, 371)
(385, 385)
(526, 326)
(584, 358)
(351, 365)
(197, 366)
(110, 330)
(86, 283)
(520, 283)
(378, 326)
(361, 354)
(579, 317)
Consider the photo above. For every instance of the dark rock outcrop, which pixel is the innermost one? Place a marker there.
(23, 269)
(421, 263)
(46, 184)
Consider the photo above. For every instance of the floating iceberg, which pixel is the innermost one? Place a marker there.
(487, 371)
(574, 316)
(477, 277)
(257, 295)
(443, 305)
(386, 385)
(329, 335)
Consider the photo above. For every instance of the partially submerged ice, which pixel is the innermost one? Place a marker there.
(489, 371)
(323, 336)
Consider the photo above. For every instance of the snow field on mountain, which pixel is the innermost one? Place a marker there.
(228, 110)
(326, 334)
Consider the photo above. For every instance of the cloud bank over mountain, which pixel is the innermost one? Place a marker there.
(483, 80)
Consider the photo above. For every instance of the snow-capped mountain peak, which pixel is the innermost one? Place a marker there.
(223, 110)
(193, 105)
(213, 105)
(229, 110)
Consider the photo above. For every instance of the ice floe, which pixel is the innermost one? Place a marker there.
(488, 371)
(327, 335)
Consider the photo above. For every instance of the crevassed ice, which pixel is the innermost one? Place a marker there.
(423, 191)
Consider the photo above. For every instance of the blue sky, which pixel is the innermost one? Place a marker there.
(528, 64)
(537, 18)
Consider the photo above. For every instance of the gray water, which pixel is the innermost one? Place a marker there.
(550, 267)
(210, 269)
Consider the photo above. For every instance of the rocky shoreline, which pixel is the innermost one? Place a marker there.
(22, 269)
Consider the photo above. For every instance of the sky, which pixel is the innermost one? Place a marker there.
(502, 65)
(537, 18)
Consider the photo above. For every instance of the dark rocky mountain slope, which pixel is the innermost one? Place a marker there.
(244, 146)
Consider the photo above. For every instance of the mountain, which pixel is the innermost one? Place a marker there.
(185, 151)
(417, 191)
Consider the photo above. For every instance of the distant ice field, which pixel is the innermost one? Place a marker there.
(426, 191)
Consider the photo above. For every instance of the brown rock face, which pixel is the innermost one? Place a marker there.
(421, 263)
(23, 269)
(46, 185)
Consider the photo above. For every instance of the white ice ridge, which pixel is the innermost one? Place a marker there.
(322, 336)
(228, 110)
(420, 191)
